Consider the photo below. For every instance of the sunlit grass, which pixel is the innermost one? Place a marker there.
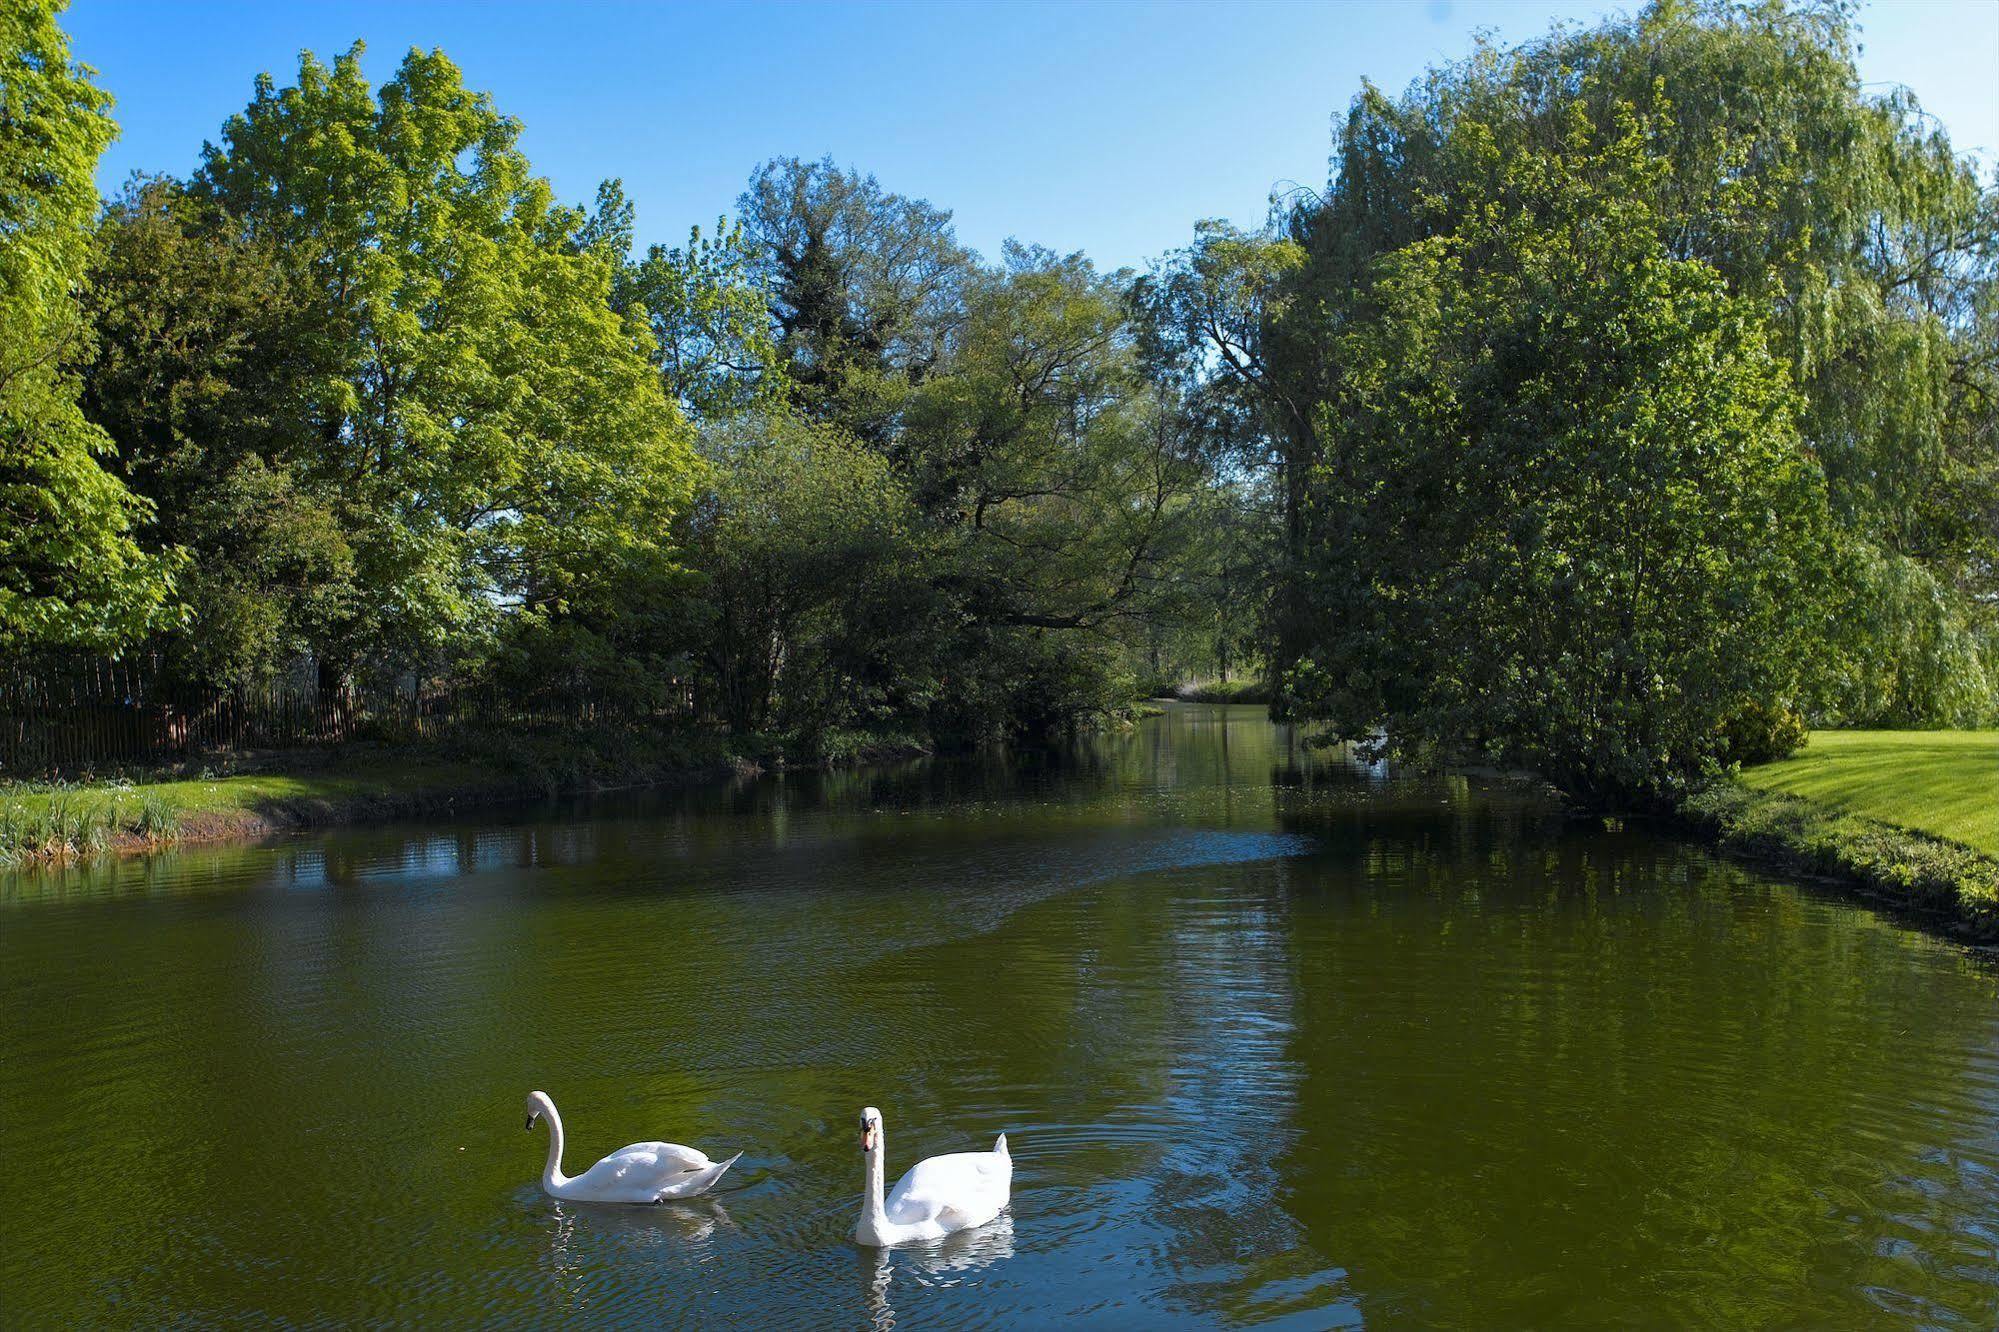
(38, 819)
(42, 819)
(1945, 783)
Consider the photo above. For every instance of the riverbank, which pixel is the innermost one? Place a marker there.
(257, 796)
(1910, 818)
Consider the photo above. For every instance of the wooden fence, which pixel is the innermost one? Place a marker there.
(72, 716)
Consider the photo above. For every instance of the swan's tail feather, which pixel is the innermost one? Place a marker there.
(697, 1182)
(999, 1146)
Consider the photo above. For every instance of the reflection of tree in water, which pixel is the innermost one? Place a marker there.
(1194, 750)
(1594, 1077)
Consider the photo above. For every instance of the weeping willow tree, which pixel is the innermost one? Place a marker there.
(1845, 219)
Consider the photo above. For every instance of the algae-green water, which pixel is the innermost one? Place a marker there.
(1278, 1038)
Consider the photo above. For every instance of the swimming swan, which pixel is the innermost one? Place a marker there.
(937, 1197)
(645, 1172)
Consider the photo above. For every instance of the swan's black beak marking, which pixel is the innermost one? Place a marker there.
(529, 1126)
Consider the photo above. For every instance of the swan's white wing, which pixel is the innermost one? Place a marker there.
(640, 1173)
(672, 1156)
(961, 1189)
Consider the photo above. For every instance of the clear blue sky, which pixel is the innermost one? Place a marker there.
(1106, 127)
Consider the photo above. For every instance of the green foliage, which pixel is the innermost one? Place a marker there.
(408, 418)
(1842, 216)
(1625, 398)
(1060, 473)
(1208, 311)
(1570, 523)
(52, 824)
(1907, 649)
(1217, 611)
(816, 589)
(864, 288)
(158, 821)
(709, 323)
(1205, 316)
(1055, 489)
(70, 570)
(495, 430)
(1757, 732)
(201, 383)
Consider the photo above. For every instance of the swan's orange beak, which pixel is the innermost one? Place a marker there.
(867, 1138)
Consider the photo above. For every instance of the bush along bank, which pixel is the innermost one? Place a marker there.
(1942, 879)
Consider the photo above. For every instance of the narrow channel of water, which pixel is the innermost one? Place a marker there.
(1275, 1040)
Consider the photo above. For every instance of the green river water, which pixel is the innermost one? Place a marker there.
(1277, 1039)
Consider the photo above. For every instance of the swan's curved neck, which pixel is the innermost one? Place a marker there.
(551, 1174)
(874, 1212)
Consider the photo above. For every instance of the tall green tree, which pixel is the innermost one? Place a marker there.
(71, 572)
(497, 430)
(710, 321)
(865, 288)
(1047, 453)
(1211, 325)
(1568, 520)
(818, 602)
(1064, 484)
(1843, 213)
(1052, 470)
(202, 380)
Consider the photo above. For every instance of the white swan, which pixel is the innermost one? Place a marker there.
(645, 1172)
(937, 1197)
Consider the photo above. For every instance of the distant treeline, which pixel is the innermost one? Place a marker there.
(1625, 400)
(361, 392)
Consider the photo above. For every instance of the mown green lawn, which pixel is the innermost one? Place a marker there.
(1945, 783)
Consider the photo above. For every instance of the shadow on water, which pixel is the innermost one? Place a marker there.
(1277, 1037)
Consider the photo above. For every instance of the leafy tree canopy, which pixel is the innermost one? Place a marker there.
(1571, 523)
(71, 573)
(496, 429)
(1866, 243)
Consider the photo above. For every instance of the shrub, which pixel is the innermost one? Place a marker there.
(1759, 732)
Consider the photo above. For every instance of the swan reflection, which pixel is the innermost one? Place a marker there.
(942, 1262)
(693, 1222)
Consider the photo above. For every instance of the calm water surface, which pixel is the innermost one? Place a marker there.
(1276, 1040)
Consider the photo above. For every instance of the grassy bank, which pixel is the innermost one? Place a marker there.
(66, 819)
(1909, 816)
(277, 792)
(1945, 783)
